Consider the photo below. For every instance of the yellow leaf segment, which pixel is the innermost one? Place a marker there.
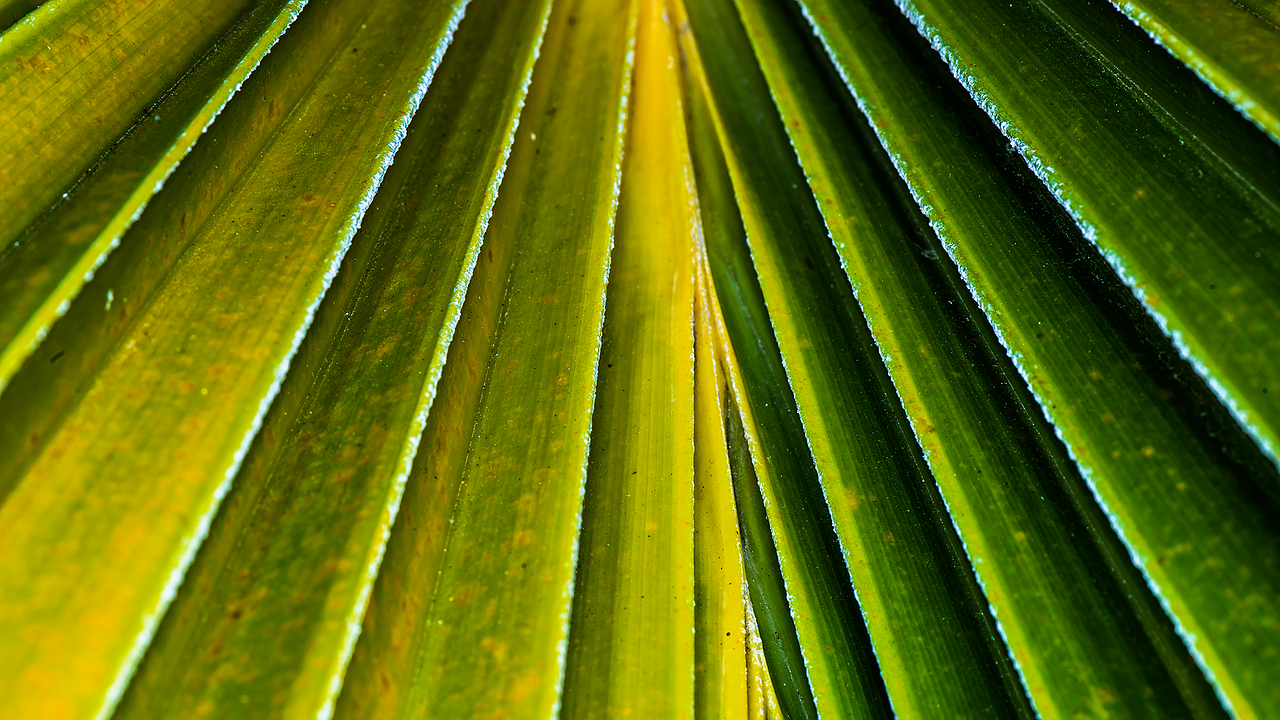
(631, 648)
(732, 676)
(726, 681)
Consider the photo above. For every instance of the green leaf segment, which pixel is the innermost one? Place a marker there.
(1234, 47)
(367, 369)
(1023, 519)
(486, 545)
(124, 485)
(1191, 236)
(1151, 445)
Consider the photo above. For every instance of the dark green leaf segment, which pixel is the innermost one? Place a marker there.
(801, 563)
(915, 590)
(1170, 468)
(1192, 236)
(1232, 46)
(1009, 487)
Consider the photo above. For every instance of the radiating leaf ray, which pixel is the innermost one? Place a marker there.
(380, 678)
(123, 492)
(322, 483)
(722, 227)
(762, 703)
(109, 62)
(51, 244)
(1010, 488)
(722, 230)
(814, 606)
(1192, 239)
(493, 632)
(56, 377)
(900, 550)
(631, 637)
(482, 456)
(769, 595)
(1152, 445)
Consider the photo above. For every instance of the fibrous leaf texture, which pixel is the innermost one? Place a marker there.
(768, 359)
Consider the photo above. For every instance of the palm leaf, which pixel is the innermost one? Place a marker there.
(129, 506)
(1184, 228)
(720, 358)
(358, 374)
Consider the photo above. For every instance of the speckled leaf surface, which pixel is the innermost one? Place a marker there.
(838, 661)
(322, 483)
(54, 379)
(479, 618)
(777, 653)
(879, 402)
(123, 491)
(1235, 49)
(1010, 488)
(1164, 459)
(49, 251)
(899, 548)
(721, 674)
(1194, 239)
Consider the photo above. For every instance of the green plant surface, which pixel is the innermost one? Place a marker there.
(638, 358)
(762, 703)
(1168, 471)
(109, 513)
(1192, 238)
(1009, 487)
(1235, 49)
(768, 595)
(816, 644)
(722, 671)
(106, 60)
(631, 637)
(1265, 9)
(80, 184)
(900, 550)
(769, 612)
(54, 379)
(509, 456)
(368, 370)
